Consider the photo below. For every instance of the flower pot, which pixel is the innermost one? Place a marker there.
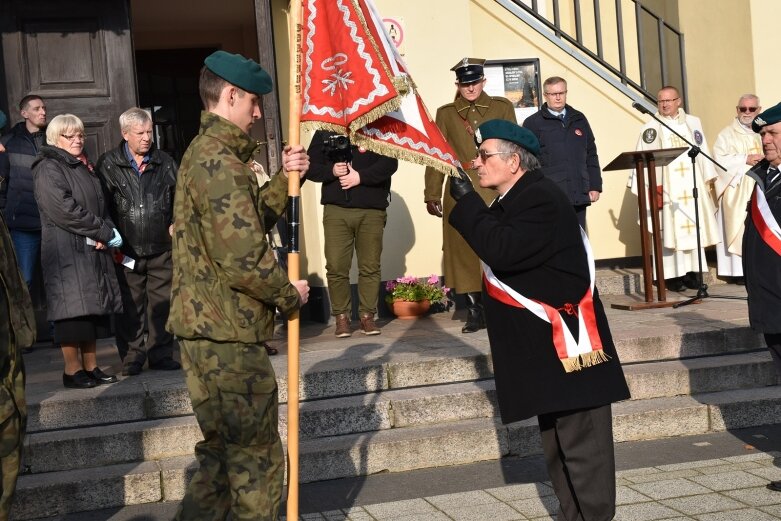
(405, 309)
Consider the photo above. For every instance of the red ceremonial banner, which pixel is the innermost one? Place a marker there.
(354, 82)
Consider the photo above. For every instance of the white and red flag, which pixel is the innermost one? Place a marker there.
(355, 82)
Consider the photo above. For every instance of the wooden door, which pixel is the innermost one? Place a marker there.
(77, 55)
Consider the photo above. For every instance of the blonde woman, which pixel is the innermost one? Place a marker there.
(78, 270)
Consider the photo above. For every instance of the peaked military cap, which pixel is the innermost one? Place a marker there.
(3, 119)
(508, 131)
(240, 71)
(767, 117)
(469, 70)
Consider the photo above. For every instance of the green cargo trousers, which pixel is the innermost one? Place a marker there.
(345, 229)
(241, 462)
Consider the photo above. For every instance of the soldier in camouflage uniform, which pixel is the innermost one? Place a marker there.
(17, 331)
(226, 284)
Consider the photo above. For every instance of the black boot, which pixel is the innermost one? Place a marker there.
(474, 308)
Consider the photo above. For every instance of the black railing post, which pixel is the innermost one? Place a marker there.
(684, 80)
(556, 19)
(662, 52)
(598, 27)
(621, 49)
(578, 23)
(640, 49)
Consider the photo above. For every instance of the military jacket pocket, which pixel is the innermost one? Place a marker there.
(249, 408)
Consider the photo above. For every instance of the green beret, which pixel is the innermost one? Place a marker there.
(508, 131)
(239, 71)
(767, 117)
(3, 119)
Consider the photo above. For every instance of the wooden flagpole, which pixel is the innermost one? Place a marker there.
(293, 265)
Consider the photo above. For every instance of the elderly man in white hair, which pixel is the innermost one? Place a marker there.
(141, 180)
(738, 148)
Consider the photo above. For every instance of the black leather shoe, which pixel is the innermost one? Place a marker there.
(475, 320)
(132, 369)
(775, 486)
(675, 284)
(168, 364)
(100, 377)
(691, 280)
(78, 380)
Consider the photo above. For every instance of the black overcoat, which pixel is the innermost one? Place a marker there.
(79, 280)
(761, 264)
(532, 242)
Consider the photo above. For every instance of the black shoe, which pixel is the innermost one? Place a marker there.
(475, 320)
(78, 380)
(740, 281)
(675, 284)
(691, 280)
(775, 486)
(167, 364)
(100, 377)
(132, 369)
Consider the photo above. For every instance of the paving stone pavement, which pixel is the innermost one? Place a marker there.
(724, 489)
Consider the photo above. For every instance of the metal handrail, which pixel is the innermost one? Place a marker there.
(597, 55)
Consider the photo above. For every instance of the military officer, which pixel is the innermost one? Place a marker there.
(17, 331)
(226, 285)
(458, 121)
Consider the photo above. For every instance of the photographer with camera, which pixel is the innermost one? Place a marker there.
(355, 193)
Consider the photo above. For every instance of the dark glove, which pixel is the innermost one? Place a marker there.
(461, 185)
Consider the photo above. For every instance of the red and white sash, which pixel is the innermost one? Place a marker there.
(764, 220)
(588, 350)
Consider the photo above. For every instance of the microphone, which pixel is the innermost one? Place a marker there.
(641, 108)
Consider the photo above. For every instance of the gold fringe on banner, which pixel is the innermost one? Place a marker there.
(405, 155)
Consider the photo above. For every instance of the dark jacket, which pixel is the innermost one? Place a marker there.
(79, 280)
(568, 154)
(142, 207)
(16, 188)
(532, 242)
(375, 171)
(761, 264)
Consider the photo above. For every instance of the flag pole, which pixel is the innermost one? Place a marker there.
(293, 220)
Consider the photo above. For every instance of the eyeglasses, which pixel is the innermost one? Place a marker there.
(748, 109)
(73, 137)
(485, 155)
(555, 94)
(663, 101)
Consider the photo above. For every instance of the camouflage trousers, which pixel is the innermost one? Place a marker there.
(241, 462)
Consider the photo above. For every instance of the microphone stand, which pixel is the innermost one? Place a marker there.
(694, 151)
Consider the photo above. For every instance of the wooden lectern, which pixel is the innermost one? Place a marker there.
(639, 160)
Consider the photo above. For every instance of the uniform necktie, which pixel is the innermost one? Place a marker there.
(771, 178)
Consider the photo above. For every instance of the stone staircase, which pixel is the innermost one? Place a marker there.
(420, 395)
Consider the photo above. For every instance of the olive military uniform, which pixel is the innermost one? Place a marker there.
(226, 284)
(17, 331)
(458, 121)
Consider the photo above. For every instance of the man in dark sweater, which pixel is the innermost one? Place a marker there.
(17, 200)
(568, 153)
(356, 189)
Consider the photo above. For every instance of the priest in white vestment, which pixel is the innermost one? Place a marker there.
(737, 148)
(679, 232)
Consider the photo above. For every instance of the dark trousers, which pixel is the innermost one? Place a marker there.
(146, 295)
(773, 342)
(580, 212)
(578, 447)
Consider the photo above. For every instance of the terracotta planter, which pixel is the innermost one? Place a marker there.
(405, 310)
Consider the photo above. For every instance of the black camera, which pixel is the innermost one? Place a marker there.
(338, 148)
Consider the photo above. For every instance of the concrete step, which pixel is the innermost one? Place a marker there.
(393, 450)
(628, 281)
(93, 446)
(165, 395)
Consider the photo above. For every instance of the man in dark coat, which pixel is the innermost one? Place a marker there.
(761, 242)
(141, 180)
(17, 200)
(568, 153)
(538, 279)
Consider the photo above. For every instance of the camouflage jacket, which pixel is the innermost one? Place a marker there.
(226, 281)
(17, 322)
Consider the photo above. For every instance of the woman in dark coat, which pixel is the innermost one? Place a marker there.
(78, 270)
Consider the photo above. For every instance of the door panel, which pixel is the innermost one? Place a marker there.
(77, 55)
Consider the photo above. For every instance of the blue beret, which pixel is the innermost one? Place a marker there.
(508, 131)
(239, 71)
(3, 119)
(767, 117)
